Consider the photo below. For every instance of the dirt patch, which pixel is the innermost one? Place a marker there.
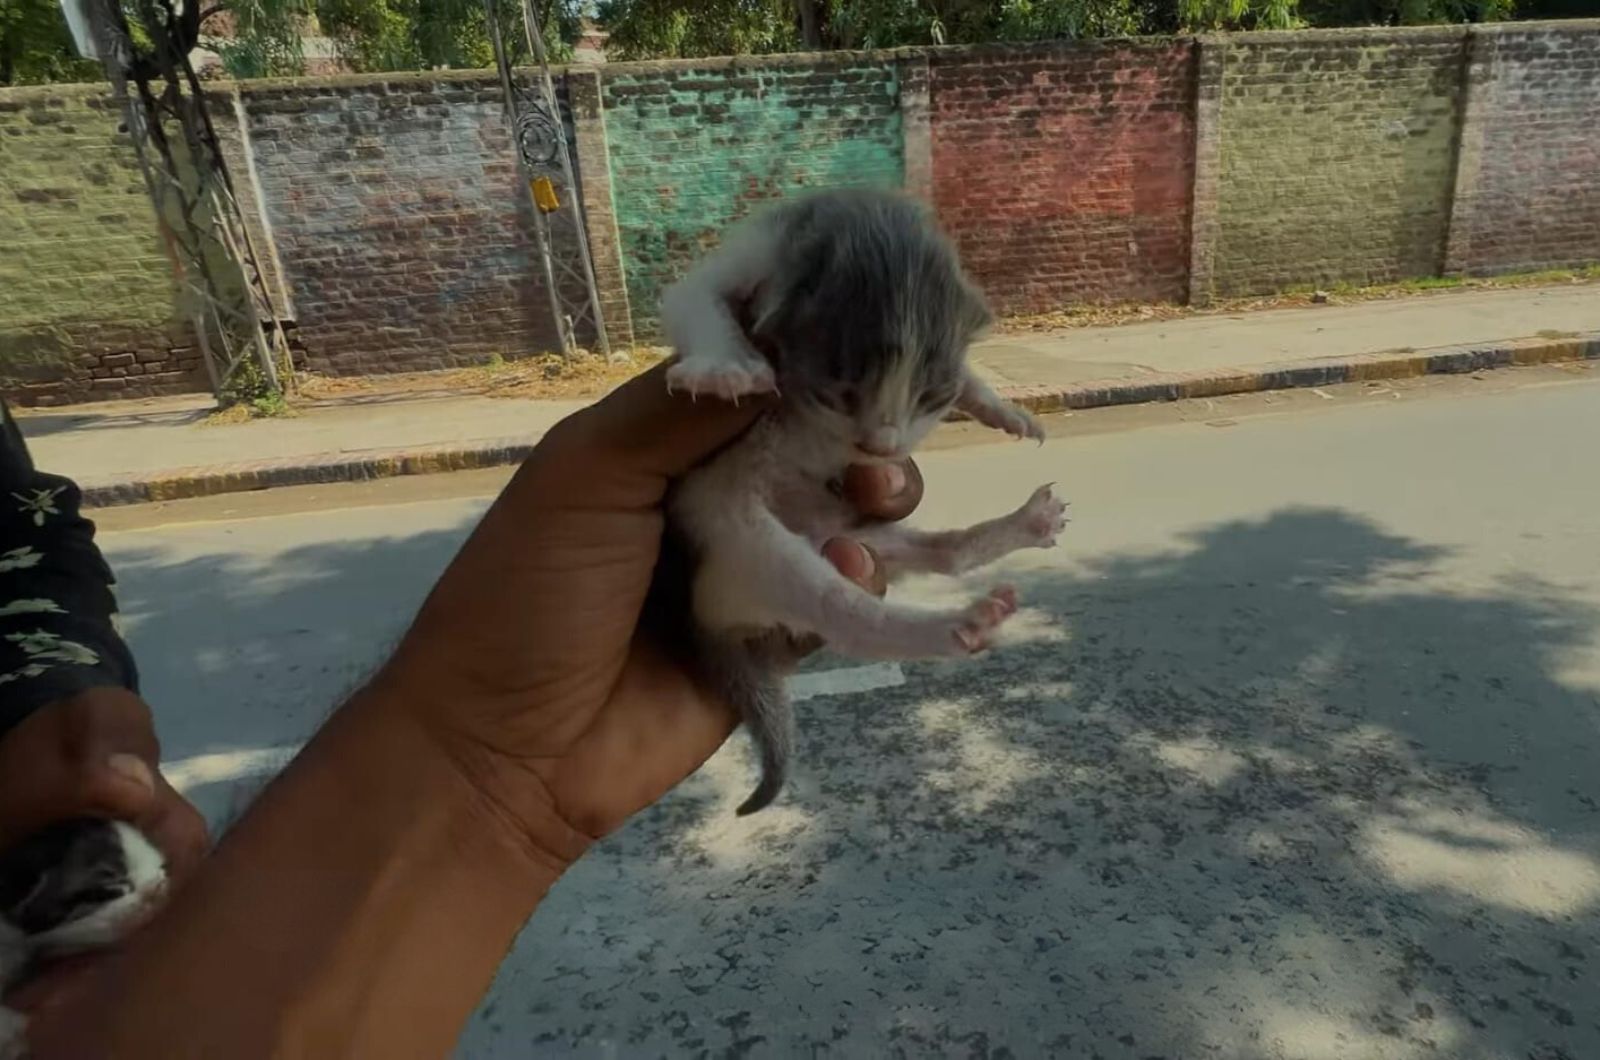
(546, 377)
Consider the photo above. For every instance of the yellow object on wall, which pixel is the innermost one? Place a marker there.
(544, 195)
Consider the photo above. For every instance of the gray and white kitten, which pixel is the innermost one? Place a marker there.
(74, 886)
(853, 307)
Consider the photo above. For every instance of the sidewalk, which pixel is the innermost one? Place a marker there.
(128, 452)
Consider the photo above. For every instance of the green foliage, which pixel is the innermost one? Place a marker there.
(693, 28)
(266, 41)
(424, 34)
(1023, 20)
(648, 29)
(247, 385)
(264, 38)
(35, 46)
(1411, 12)
(1239, 14)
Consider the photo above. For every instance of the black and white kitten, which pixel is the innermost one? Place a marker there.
(78, 885)
(853, 307)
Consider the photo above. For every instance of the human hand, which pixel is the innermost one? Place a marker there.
(94, 754)
(528, 663)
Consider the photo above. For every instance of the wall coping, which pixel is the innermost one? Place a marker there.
(25, 94)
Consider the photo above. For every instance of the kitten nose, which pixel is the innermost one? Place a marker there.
(885, 441)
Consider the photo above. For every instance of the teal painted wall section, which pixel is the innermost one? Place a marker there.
(695, 147)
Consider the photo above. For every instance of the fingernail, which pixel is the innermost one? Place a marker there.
(861, 567)
(132, 767)
(868, 567)
(850, 559)
(894, 479)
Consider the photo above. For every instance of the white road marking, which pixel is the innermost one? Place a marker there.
(841, 682)
(223, 766)
(219, 767)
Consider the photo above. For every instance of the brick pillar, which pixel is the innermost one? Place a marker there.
(1210, 57)
(1477, 56)
(599, 213)
(912, 73)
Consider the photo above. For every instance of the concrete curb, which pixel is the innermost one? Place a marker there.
(183, 483)
(1399, 364)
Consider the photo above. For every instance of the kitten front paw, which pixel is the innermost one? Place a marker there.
(976, 625)
(1019, 423)
(729, 380)
(1041, 518)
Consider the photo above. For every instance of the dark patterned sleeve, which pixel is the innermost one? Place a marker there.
(58, 631)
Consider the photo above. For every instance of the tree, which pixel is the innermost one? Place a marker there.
(648, 29)
(691, 28)
(425, 34)
(1239, 14)
(257, 38)
(36, 47)
(1408, 12)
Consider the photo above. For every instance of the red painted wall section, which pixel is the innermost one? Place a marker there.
(1065, 175)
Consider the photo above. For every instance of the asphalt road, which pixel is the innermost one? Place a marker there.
(1295, 754)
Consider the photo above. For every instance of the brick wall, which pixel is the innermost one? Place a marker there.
(86, 299)
(694, 146)
(1528, 188)
(393, 211)
(400, 220)
(1337, 156)
(1064, 175)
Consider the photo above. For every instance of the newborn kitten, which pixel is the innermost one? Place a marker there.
(854, 309)
(78, 885)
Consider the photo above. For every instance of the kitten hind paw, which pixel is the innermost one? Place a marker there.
(978, 623)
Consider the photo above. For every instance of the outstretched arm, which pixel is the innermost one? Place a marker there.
(360, 907)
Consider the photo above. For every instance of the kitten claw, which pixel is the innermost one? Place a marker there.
(1021, 425)
(728, 381)
(1042, 517)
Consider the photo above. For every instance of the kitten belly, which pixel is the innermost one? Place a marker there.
(742, 590)
(814, 512)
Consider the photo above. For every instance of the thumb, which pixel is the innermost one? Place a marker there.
(89, 755)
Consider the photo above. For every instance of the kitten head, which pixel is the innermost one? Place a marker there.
(867, 318)
(79, 882)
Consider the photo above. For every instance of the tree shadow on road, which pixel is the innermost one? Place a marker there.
(1298, 788)
(1282, 793)
(238, 650)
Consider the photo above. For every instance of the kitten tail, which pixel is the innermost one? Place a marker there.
(746, 675)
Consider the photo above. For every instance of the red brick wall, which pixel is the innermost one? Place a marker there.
(1065, 174)
(401, 221)
(1528, 189)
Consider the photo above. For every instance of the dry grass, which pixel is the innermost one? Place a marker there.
(228, 417)
(1092, 316)
(547, 377)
